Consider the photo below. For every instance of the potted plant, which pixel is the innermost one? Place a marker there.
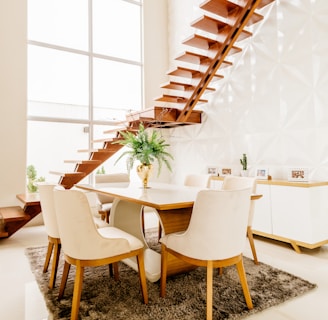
(32, 179)
(145, 148)
(243, 162)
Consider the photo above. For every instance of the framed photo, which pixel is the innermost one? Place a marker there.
(212, 170)
(262, 173)
(225, 171)
(298, 174)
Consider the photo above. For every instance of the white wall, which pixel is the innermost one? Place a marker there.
(272, 103)
(156, 48)
(12, 100)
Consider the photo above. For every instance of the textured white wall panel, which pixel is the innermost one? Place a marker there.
(272, 103)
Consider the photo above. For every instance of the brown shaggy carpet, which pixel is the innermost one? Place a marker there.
(105, 298)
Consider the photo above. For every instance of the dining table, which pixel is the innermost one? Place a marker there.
(173, 203)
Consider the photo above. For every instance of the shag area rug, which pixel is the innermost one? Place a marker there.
(105, 298)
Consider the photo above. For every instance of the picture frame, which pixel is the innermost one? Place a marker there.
(212, 170)
(298, 174)
(262, 173)
(225, 171)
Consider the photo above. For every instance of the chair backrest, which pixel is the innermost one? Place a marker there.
(197, 180)
(79, 236)
(218, 224)
(236, 182)
(111, 180)
(48, 208)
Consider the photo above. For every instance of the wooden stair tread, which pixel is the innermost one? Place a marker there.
(82, 161)
(176, 99)
(255, 18)
(162, 115)
(211, 25)
(174, 85)
(189, 73)
(115, 130)
(219, 7)
(199, 59)
(200, 42)
(264, 3)
(95, 150)
(29, 199)
(15, 213)
(109, 139)
(67, 174)
(194, 58)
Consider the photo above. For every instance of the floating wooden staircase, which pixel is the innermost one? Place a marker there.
(217, 33)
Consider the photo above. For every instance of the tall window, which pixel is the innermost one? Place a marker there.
(84, 75)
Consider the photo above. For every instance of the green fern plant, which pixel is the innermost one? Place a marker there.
(145, 147)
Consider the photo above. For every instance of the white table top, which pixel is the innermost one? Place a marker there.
(160, 196)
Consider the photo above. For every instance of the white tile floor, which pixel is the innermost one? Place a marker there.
(20, 298)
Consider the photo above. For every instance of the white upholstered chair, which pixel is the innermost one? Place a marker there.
(115, 180)
(50, 222)
(192, 180)
(215, 238)
(86, 246)
(198, 180)
(236, 182)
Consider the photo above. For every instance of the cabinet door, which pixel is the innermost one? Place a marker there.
(262, 211)
(291, 216)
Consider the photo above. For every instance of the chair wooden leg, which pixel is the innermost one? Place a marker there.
(220, 271)
(159, 231)
(113, 271)
(251, 242)
(55, 260)
(163, 271)
(243, 281)
(143, 220)
(77, 292)
(209, 291)
(142, 277)
(48, 256)
(66, 269)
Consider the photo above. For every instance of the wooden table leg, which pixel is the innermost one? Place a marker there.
(176, 220)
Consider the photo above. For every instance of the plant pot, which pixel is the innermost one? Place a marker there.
(144, 172)
(244, 173)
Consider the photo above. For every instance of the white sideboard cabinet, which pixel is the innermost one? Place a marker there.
(292, 212)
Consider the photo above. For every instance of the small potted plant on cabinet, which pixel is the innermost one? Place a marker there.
(243, 162)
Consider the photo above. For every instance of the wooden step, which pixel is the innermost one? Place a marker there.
(211, 25)
(95, 162)
(102, 140)
(67, 174)
(175, 85)
(223, 8)
(164, 117)
(115, 130)
(264, 3)
(198, 59)
(255, 18)
(176, 99)
(200, 42)
(189, 73)
(15, 213)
